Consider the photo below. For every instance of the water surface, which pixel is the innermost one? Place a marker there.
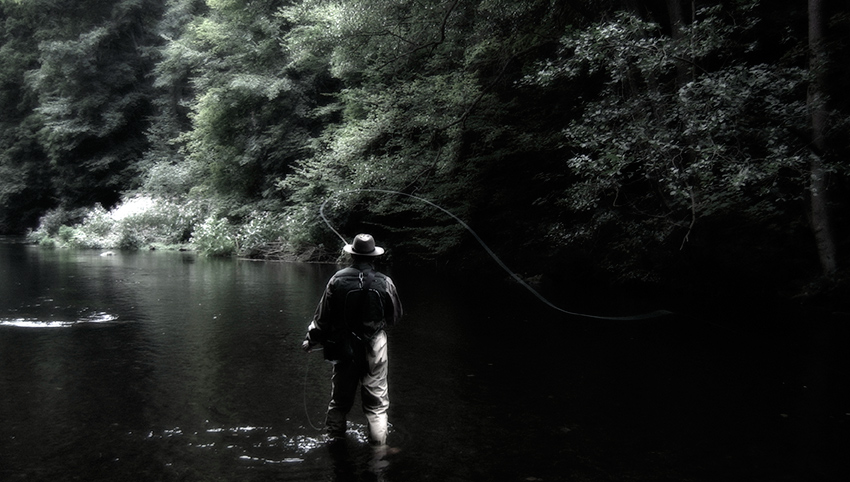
(167, 366)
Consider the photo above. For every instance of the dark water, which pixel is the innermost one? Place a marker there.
(166, 366)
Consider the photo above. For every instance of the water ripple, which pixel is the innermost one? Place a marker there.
(92, 318)
(247, 443)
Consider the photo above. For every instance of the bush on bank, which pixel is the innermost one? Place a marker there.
(144, 222)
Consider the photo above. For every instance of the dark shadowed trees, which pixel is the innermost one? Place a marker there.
(75, 97)
(640, 137)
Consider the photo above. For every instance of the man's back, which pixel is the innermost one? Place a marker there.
(368, 363)
(363, 300)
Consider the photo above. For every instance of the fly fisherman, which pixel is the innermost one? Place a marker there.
(350, 321)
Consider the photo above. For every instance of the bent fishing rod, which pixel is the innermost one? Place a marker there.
(644, 316)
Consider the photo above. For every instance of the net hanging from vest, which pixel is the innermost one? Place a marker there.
(489, 251)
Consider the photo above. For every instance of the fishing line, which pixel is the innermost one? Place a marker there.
(306, 408)
(489, 251)
(486, 248)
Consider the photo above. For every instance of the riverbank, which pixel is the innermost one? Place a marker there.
(702, 289)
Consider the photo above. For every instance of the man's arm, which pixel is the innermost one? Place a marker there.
(397, 311)
(320, 322)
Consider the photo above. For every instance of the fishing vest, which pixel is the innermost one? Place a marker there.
(364, 309)
(357, 310)
(359, 303)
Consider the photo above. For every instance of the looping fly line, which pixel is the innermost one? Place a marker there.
(489, 251)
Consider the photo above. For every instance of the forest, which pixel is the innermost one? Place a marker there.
(689, 145)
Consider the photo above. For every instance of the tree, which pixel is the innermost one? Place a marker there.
(165, 172)
(821, 218)
(92, 95)
(246, 115)
(420, 111)
(24, 177)
(640, 132)
(654, 154)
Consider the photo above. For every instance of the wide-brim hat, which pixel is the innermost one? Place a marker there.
(363, 245)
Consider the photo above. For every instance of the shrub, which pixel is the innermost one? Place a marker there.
(143, 221)
(262, 228)
(215, 237)
(137, 222)
(50, 224)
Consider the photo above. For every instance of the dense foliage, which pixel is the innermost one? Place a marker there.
(648, 140)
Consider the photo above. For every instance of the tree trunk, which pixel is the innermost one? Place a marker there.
(820, 216)
(678, 22)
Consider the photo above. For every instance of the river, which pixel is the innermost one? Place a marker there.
(167, 366)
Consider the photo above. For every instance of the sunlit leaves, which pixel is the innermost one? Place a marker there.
(367, 37)
(215, 237)
(137, 222)
(396, 118)
(244, 112)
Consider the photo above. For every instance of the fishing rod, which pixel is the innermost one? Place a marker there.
(644, 316)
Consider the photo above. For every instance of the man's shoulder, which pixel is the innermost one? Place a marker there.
(347, 272)
(353, 272)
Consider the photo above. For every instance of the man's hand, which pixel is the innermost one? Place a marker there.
(307, 346)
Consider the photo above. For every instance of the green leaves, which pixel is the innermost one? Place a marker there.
(89, 90)
(580, 126)
(652, 145)
(244, 112)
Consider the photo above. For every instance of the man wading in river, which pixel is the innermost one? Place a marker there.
(350, 321)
